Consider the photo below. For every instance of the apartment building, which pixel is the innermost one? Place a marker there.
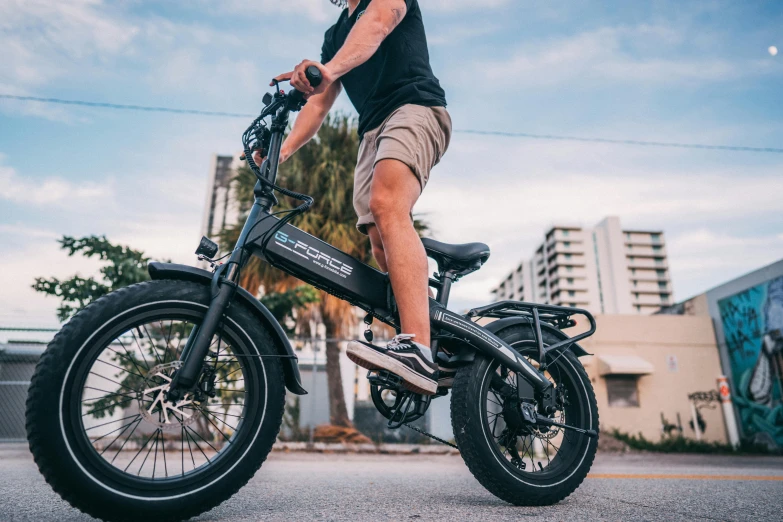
(604, 269)
(221, 207)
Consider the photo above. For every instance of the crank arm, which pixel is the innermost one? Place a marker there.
(549, 422)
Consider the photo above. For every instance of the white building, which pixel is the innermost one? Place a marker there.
(221, 207)
(604, 269)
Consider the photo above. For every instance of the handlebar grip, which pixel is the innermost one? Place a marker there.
(313, 75)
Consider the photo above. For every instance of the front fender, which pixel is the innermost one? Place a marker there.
(293, 380)
(500, 324)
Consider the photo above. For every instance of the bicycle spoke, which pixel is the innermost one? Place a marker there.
(148, 453)
(115, 382)
(119, 367)
(224, 422)
(126, 441)
(137, 454)
(104, 396)
(93, 412)
(202, 438)
(131, 357)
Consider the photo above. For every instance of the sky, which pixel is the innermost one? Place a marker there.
(691, 72)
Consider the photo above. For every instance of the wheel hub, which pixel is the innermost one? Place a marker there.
(163, 413)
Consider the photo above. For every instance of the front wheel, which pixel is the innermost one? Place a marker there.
(519, 463)
(104, 437)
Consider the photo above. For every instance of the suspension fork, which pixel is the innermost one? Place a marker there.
(224, 283)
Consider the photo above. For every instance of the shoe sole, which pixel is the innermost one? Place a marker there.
(372, 360)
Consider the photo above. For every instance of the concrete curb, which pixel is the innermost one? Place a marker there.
(381, 449)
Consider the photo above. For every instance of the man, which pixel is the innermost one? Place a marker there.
(377, 50)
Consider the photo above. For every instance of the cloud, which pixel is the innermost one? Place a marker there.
(506, 193)
(41, 39)
(623, 54)
(52, 190)
(460, 5)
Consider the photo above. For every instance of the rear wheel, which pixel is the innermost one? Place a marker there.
(522, 464)
(107, 442)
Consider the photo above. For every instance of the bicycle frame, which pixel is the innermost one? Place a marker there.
(328, 268)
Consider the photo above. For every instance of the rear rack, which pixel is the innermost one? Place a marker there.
(557, 316)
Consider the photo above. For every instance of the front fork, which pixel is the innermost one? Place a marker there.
(224, 283)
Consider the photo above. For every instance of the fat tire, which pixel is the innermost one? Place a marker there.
(44, 426)
(476, 451)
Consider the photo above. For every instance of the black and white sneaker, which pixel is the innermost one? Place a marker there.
(403, 357)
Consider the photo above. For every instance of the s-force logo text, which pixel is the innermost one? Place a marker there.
(313, 254)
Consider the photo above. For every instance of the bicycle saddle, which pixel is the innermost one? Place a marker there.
(463, 259)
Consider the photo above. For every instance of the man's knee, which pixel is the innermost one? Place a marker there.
(385, 206)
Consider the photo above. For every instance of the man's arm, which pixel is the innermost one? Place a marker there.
(307, 123)
(377, 22)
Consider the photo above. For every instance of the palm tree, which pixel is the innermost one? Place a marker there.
(324, 169)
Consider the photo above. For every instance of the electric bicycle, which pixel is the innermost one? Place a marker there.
(162, 399)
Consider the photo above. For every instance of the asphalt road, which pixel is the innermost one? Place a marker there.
(307, 486)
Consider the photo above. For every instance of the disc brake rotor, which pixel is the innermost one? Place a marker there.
(159, 412)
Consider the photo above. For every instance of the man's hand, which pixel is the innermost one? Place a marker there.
(299, 80)
(284, 155)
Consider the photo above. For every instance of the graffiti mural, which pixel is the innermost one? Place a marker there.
(753, 328)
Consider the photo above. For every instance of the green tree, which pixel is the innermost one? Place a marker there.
(124, 266)
(324, 169)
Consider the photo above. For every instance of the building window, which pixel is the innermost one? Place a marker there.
(628, 236)
(566, 244)
(655, 238)
(630, 247)
(570, 280)
(636, 295)
(638, 308)
(634, 283)
(630, 258)
(571, 293)
(573, 305)
(565, 233)
(661, 273)
(569, 268)
(656, 248)
(658, 260)
(568, 256)
(622, 391)
(662, 285)
(633, 271)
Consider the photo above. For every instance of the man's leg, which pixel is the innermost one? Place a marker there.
(377, 247)
(395, 189)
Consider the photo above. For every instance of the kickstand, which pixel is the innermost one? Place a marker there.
(407, 401)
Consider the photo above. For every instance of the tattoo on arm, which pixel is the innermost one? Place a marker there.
(399, 14)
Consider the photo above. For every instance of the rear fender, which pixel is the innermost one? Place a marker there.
(496, 326)
(293, 380)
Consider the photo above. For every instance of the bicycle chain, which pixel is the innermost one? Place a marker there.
(430, 435)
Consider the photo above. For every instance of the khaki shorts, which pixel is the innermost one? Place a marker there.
(413, 134)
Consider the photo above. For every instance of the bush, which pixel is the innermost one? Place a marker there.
(680, 444)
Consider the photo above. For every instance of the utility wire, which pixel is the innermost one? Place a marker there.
(552, 137)
(127, 107)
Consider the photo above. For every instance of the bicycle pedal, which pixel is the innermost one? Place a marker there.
(384, 378)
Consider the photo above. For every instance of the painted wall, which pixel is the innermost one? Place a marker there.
(752, 328)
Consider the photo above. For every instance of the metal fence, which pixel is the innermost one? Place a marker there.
(21, 348)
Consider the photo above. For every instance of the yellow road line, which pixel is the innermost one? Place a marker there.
(682, 477)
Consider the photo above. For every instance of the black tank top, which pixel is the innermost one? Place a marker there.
(397, 74)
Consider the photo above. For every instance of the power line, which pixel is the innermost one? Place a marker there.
(553, 137)
(127, 107)
(622, 142)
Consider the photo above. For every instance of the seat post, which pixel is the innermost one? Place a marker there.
(446, 278)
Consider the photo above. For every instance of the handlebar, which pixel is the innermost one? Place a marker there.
(313, 75)
(295, 101)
